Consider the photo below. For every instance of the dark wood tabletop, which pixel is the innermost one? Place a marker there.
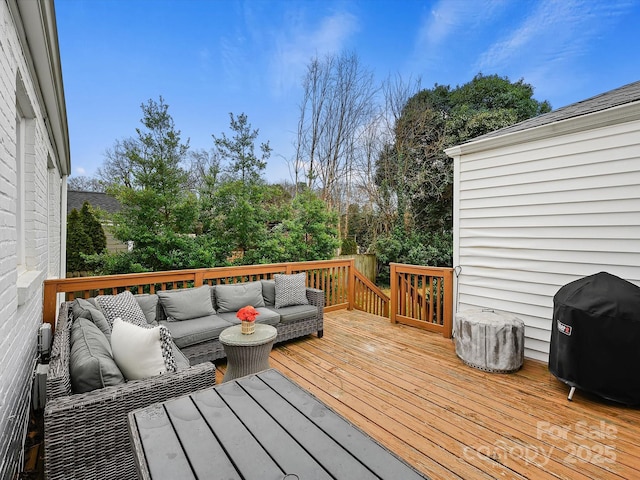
(258, 427)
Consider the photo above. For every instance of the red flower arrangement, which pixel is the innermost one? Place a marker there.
(247, 314)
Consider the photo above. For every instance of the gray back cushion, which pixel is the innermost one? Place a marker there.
(82, 308)
(231, 298)
(91, 364)
(269, 292)
(187, 303)
(149, 304)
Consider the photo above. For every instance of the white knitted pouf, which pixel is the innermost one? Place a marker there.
(489, 340)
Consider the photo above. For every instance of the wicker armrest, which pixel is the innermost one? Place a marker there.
(86, 435)
(316, 297)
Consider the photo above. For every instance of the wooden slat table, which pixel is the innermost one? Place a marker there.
(259, 427)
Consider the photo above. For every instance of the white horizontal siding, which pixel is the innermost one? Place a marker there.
(534, 216)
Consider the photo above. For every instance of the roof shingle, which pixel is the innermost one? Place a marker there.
(75, 199)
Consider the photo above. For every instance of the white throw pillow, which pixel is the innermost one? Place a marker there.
(141, 352)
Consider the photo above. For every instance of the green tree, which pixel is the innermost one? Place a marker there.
(415, 175)
(158, 210)
(348, 246)
(309, 231)
(494, 93)
(235, 201)
(239, 218)
(239, 151)
(413, 248)
(93, 229)
(416, 167)
(78, 243)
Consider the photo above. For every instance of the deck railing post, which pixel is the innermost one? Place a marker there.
(394, 292)
(448, 304)
(351, 284)
(198, 278)
(49, 304)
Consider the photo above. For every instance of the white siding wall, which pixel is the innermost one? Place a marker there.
(21, 285)
(537, 215)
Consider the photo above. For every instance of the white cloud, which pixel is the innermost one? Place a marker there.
(553, 33)
(298, 42)
(441, 22)
(81, 171)
(447, 21)
(283, 45)
(232, 55)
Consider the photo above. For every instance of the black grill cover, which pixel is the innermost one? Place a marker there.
(595, 339)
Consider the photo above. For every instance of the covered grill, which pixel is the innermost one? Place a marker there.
(595, 338)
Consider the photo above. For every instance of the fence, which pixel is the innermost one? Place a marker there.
(366, 264)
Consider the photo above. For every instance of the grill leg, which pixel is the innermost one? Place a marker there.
(571, 392)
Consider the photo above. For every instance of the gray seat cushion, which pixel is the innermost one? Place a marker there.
(196, 330)
(295, 313)
(182, 362)
(267, 316)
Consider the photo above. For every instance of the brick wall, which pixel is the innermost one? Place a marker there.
(41, 193)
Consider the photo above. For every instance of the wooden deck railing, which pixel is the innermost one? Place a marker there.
(422, 297)
(343, 286)
(368, 297)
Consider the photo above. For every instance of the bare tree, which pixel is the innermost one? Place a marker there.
(85, 184)
(311, 125)
(338, 102)
(117, 167)
(381, 164)
(204, 170)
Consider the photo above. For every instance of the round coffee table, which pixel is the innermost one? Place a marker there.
(247, 354)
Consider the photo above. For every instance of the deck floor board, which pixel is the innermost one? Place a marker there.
(406, 388)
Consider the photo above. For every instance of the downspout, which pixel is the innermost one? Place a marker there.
(63, 228)
(455, 153)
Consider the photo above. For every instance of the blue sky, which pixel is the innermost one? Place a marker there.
(211, 57)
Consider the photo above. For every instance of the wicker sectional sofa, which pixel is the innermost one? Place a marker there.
(291, 321)
(86, 434)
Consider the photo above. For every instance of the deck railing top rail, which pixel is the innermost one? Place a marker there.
(420, 296)
(332, 276)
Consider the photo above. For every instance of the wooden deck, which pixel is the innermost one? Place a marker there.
(406, 388)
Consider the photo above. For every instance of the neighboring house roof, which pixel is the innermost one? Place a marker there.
(613, 98)
(76, 199)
